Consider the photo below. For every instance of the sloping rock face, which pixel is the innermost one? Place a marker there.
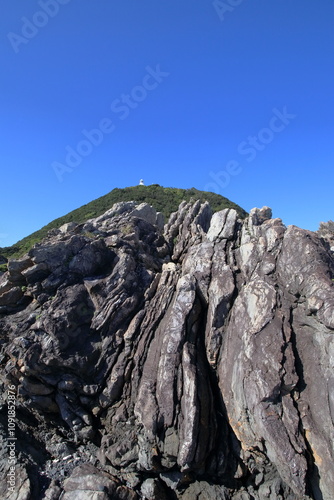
(190, 362)
(326, 231)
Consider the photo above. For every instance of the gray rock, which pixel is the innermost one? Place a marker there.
(35, 388)
(184, 363)
(17, 486)
(259, 215)
(223, 225)
(16, 267)
(151, 489)
(36, 273)
(146, 212)
(88, 483)
(172, 479)
(5, 284)
(160, 221)
(202, 490)
(326, 231)
(68, 227)
(53, 492)
(11, 297)
(85, 495)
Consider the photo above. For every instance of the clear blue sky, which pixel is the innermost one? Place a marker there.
(235, 99)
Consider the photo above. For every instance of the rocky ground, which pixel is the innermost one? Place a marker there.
(189, 361)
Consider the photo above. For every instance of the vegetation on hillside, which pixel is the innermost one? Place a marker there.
(165, 200)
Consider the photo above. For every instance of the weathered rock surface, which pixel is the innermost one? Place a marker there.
(326, 231)
(193, 361)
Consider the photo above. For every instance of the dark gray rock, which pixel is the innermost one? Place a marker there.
(53, 492)
(87, 482)
(152, 489)
(202, 490)
(11, 297)
(36, 273)
(16, 267)
(191, 363)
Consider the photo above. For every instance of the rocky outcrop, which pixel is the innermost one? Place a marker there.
(189, 361)
(326, 232)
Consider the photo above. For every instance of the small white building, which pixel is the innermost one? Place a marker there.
(141, 182)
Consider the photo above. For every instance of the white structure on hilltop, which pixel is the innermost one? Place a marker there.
(141, 182)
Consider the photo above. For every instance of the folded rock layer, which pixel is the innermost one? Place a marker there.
(187, 361)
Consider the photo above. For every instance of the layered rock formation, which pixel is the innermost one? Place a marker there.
(191, 361)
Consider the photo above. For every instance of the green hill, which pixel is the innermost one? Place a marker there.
(165, 200)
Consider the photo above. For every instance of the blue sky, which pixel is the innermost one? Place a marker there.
(232, 96)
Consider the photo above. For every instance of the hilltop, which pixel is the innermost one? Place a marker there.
(165, 200)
